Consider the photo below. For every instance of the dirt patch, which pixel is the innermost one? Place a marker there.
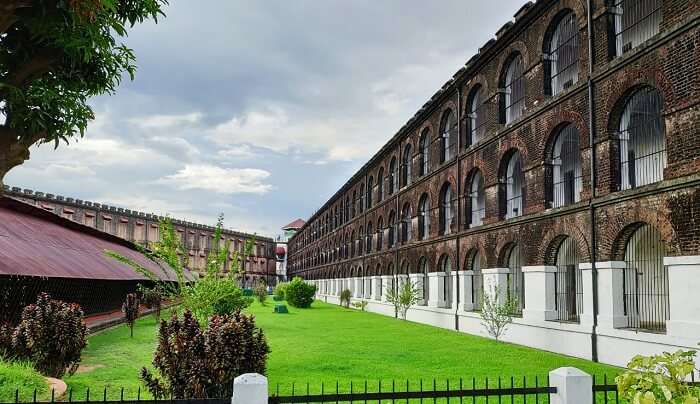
(88, 368)
(58, 387)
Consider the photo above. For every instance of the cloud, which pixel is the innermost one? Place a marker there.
(166, 121)
(218, 179)
(242, 151)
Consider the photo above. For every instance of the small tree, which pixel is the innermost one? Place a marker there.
(345, 296)
(496, 316)
(404, 297)
(299, 293)
(261, 292)
(152, 298)
(130, 308)
(280, 290)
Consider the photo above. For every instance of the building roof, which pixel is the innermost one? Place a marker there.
(34, 242)
(295, 225)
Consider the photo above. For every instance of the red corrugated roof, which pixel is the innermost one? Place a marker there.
(34, 242)
(297, 224)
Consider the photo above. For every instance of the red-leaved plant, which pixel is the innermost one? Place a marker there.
(196, 363)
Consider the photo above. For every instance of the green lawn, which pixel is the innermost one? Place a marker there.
(326, 344)
(14, 375)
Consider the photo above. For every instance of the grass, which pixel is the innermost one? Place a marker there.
(325, 344)
(22, 375)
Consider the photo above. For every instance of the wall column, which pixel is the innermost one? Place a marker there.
(368, 287)
(496, 279)
(417, 281)
(610, 293)
(436, 296)
(465, 289)
(387, 284)
(540, 286)
(377, 287)
(683, 286)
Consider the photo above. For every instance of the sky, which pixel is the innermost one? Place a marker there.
(261, 110)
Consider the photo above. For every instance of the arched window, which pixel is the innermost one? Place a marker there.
(448, 128)
(393, 176)
(476, 114)
(446, 209)
(424, 270)
(567, 180)
(361, 203)
(446, 267)
(515, 184)
(568, 283)
(352, 244)
(392, 229)
(645, 281)
(380, 185)
(513, 94)
(642, 139)
(370, 189)
(515, 278)
(360, 240)
(347, 209)
(370, 232)
(406, 223)
(352, 206)
(634, 22)
(476, 263)
(406, 164)
(477, 200)
(561, 54)
(380, 234)
(424, 153)
(423, 217)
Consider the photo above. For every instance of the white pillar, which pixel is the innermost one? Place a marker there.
(359, 285)
(496, 279)
(610, 293)
(249, 388)
(540, 289)
(586, 317)
(573, 386)
(387, 284)
(465, 289)
(436, 295)
(417, 281)
(401, 279)
(368, 287)
(377, 287)
(683, 286)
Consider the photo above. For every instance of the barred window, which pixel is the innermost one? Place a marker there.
(515, 183)
(477, 115)
(642, 140)
(446, 268)
(406, 166)
(477, 263)
(477, 200)
(567, 180)
(353, 203)
(406, 223)
(568, 284)
(446, 209)
(392, 229)
(380, 185)
(370, 232)
(424, 153)
(561, 55)
(448, 128)
(393, 176)
(380, 234)
(361, 204)
(516, 281)
(424, 270)
(513, 90)
(634, 22)
(370, 189)
(423, 217)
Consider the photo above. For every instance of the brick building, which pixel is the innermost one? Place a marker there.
(141, 228)
(559, 167)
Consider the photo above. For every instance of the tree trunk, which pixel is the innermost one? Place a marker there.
(12, 154)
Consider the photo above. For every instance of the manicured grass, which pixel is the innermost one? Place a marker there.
(21, 375)
(325, 344)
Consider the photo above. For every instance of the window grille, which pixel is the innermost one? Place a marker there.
(477, 116)
(635, 21)
(446, 210)
(370, 231)
(406, 166)
(642, 140)
(562, 56)
(424, 153)
(406, 224)
(446, 268)
(645, 281)
(392, 230)
(568, 284)
(567, 181)
(448, 137)
(380, 234)
(426, 286)
(477, 281)
(516, 281)
(514, 90)
(423, 217)
(515, 183)
(370, 189)
(380, 185)
(477, 200)
(393, 176)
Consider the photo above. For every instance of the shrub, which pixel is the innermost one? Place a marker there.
(280, 289)
(299, 293)
(496, 316)
(362, 304)
(659, 379)
(130, 308)
(230, 346)
(213, 295)
(403, 297)
(152, 298)
(261, 293)
(51, 334)
(345, 296)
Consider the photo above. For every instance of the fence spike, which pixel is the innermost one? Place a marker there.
(53, 395)
(499, 387)
(17, 395)
(474, 388)
(537, 396)
(87, 395)
(34, 396)
(487, 387)
(70, 395)
(138, 395)
(104, 395)
(524, 386)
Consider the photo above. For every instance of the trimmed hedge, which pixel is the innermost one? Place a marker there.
(299, 293)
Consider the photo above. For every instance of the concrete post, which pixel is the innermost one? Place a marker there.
(387, 284)
(683, 282)
(368, 287)
(417, 280)
(465, 289)
(573, 386)
(249, 388)
(611, 297)
(496, 279)
(436, 284)
(376, 287)
(539, 292)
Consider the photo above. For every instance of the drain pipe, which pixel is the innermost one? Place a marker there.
(459, 204)
(591, 207)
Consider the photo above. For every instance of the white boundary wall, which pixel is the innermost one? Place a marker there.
(616, 346)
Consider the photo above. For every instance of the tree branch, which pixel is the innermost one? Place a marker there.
(41, 63)
(7, 13)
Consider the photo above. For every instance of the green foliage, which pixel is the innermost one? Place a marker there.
(20, 375)
(55, 55)
(261, 292)
(152, 298)
(212, 295)
(230, 346)
(51, 334)
(299, 293)
(496, 316)
(403, 297)
(130, 308)
(361, 305)
(659, 379)
(345, 296)
(279, 290)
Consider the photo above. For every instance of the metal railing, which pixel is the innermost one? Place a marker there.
(635, 21)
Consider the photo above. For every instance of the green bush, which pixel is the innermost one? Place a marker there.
(230, 346)
(261, 293)
(51, 334)
(345, 296)
(299, 293)
(277, 298)
(280, 289)
(212, 296)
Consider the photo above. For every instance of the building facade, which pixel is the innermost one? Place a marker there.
(560, 168)
(142, 228)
